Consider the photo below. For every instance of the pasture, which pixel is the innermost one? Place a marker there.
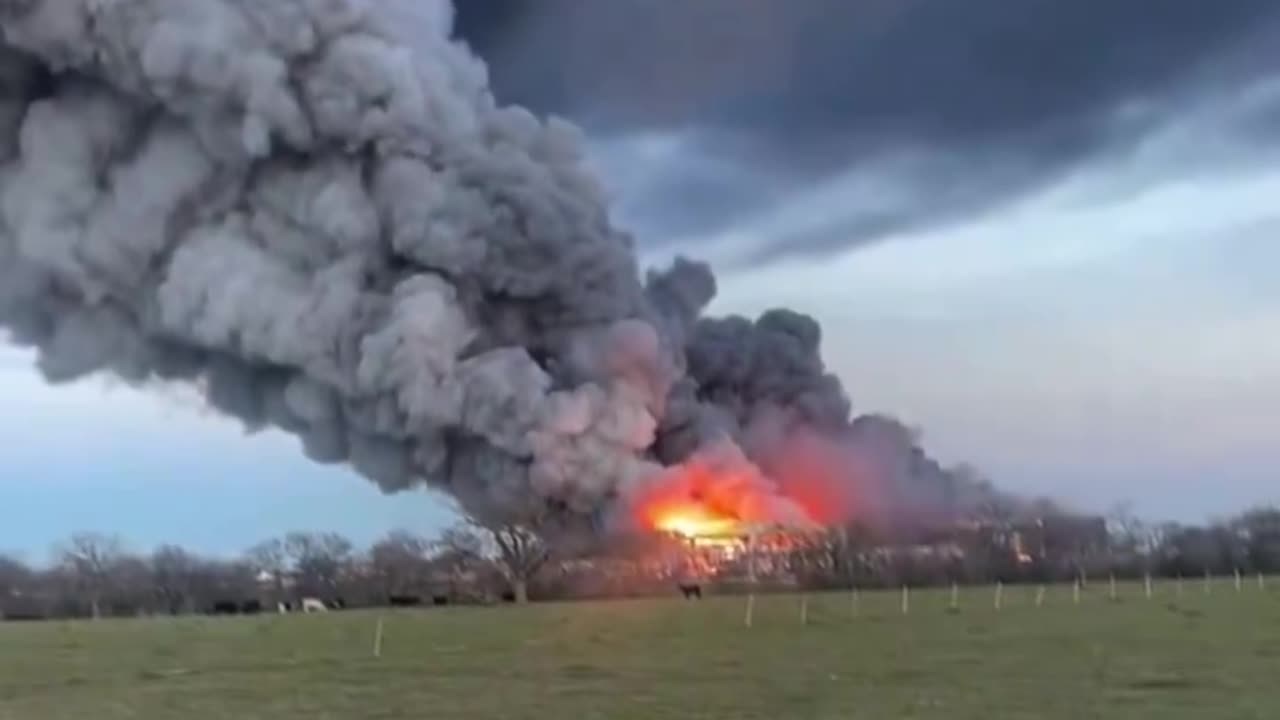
(1191, 656)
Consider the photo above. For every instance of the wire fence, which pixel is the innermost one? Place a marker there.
(856, 603)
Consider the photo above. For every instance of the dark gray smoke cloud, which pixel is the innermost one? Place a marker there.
(993, 97)
(316, 212)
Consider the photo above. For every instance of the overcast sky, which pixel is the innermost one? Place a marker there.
(1044, 231)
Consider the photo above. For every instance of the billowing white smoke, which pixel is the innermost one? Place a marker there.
(316, 210)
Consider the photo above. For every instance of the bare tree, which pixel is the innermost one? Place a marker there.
(217, 580)
(1128, 533)
(91, 558)
(463, 541)
(522, 554)
(15, 578)
(460, 555)
(1259, 529)
(174, 577)
(270, 557)
(130, 590)
(399, 563)
(319, 559)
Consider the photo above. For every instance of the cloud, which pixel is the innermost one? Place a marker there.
(981, 101)
(1115, 323)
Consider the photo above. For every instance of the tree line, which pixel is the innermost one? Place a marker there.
(1048, 546)
(94, 575)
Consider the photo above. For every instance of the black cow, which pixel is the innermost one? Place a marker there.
(691, 591)
(404, 601)
(251, 607)
(22, 616)
(439, 600)
(508, 597)
(226, 607)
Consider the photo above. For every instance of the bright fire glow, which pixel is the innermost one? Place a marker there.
(717, 495)
(693, 520)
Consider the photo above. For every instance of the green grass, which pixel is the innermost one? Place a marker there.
(1196, 656)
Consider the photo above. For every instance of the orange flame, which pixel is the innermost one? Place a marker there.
(716, 496)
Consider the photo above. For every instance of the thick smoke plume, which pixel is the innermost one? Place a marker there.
(316, 211)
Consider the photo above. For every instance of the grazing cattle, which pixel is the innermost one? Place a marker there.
(439, 600)
(337, 604)
(225, 607)
(313, 605)
(691, 591)
(508, 597)
(22, 616)
(404, 601)
(251, 607)
(283, 607)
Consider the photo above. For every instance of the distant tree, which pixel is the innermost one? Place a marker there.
(175, 576)
(1259, 529)
(462, 542)
(319, 560)
(399, 563)
(1127, 531)
(1194, 550)
(130, 590)
(15, 578)
(270, 558)
(218, 580)
(90, 560)
(1232, 545)
(1164, 552)
(522, 551)
(461, 556)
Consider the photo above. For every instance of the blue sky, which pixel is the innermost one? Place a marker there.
(155, 467)
(1062, 272)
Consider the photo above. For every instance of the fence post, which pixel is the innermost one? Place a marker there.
(1040, 596)
(1147, 583)
(906, 600)
(749, 618)
(955, 596)
(1262, 582)
(1208, 583)
(1075, 592)
(1114, 594)
(377, 639)
(1239, 583)
(999, 599)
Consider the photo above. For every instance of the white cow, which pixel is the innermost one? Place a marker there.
(313, 605)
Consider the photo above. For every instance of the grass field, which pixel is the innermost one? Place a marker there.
(1194, 656)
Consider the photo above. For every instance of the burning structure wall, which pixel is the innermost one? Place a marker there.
(316, 212)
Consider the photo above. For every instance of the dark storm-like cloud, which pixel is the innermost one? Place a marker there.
(794, 93)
